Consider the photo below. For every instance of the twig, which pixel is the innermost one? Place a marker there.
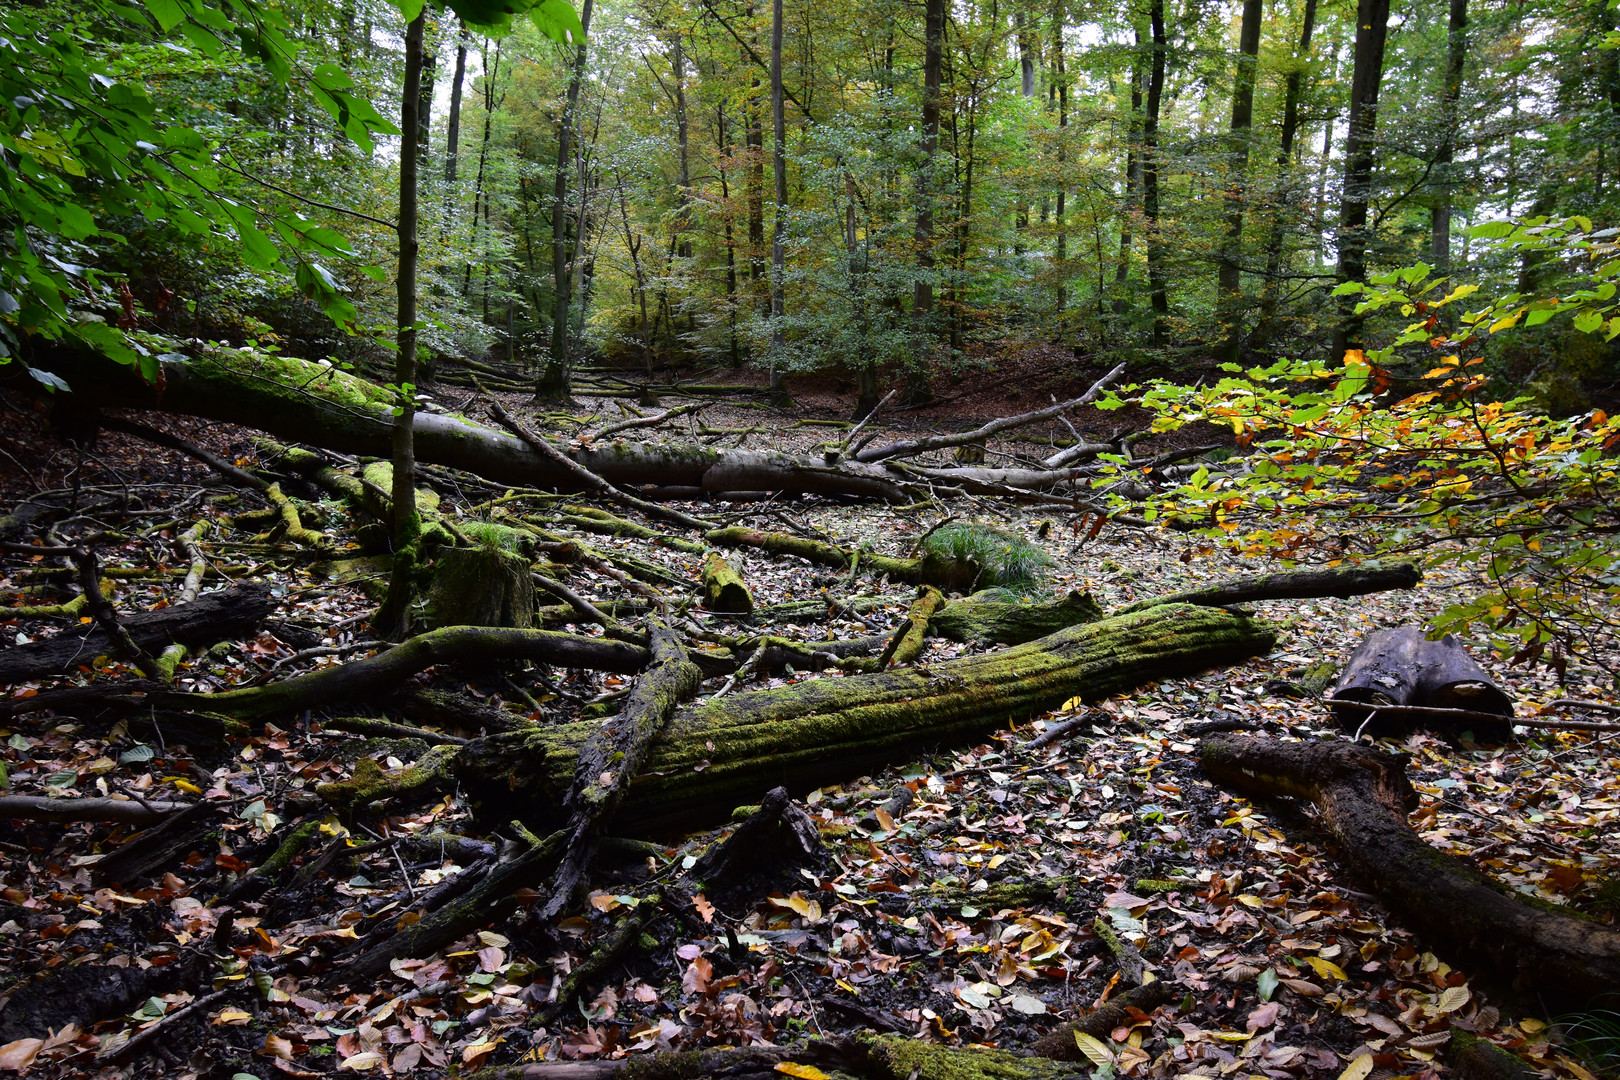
(645, 421)
(867, 419)
(1469, 714)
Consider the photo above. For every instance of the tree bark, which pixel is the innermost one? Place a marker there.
(1229, 284)
(729, 751)
(1360, 158)
(1446, 153)
(217, 616)
(1294, 585)
(1158, 294)
(1271, 286)
(394, 619)
(779, 226)
(922, 300)
(452, 127)
(1554, 960)
(556, 375)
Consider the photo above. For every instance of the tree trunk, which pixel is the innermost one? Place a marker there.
(1553, 960)
(779, 229)
(1271, 287)
(394, 620)
(1360, 157)
(556, 376)
(1133, 179)
(922, 302)
(1059, 20)
(1157, 290)
(1229, 286)
(731, 750)
(1401, 666)
(452, 127)
(1446, 153)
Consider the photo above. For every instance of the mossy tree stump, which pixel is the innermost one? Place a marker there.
(481, 586)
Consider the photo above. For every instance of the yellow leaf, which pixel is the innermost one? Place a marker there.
(1532, 1025)
(1358, 1069)
(362, 1062)
(1580, 1072)
(1249, 900)
(1439, 373)
(1094, 1049)
(1230, 1036)
(1453, 999)
(885, 820)
(183, 784)
(1505, 321)
(1326, 968)
(852, 988)
(233, 1016)
(803, 1072)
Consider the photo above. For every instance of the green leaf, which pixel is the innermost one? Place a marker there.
(1588, 322)
(557, 18)
(1349, 288)
(1492, 230)
(167, 13)
(1266, 984)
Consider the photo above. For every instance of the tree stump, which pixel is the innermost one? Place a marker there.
(481, 586)
(1401, 666)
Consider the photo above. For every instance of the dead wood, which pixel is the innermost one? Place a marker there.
(766, 852)
(1553, 959)
(988, 618)
(128, 811)
(227, 615)
(191, 450)
(723, 587)
(725, 753)
(1059, 1043)
(613, 755)
(951, 575)
(913, 447)
(1401, 666)
(1341, 582)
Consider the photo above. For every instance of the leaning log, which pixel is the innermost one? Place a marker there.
(728, 752)
(1553, 959)
(226, 615)
(1343, 582)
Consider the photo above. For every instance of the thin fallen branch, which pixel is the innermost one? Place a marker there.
(913, 447)
(191, 450)
(45, 808)
(1342, 582)
(644, 421)
(1427, 712)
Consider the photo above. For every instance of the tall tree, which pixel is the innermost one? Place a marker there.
(1360, 158)
(452, 126)
(1061, 74)
(394, 619)
(1446, 152)
(1271, 286)
(779, 232)
(556, 375)
(1158, 295)
(922, 301)
(1133, 178)
(1229, 284)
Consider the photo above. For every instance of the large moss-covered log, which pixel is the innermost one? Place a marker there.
(728, 752)
(994, 616)
(1552, 958)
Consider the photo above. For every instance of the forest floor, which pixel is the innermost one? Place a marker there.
(968, 917)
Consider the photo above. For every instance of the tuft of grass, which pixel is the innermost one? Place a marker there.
(1595, 1036)
(494, 537)
(1009, 560)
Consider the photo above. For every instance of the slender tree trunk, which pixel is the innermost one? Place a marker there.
(556, 376)
(1059, 21)
(728, 151)
(779, 232)
(1026, 64)
(1272, 286)
(424, 108)
(866, 397)
(452, 128)
(480, 212)
(1229, 284)
(922, 302)
(754, 140)
(1445, 154)
(394, 619)
(1133, 180)
(1360, 156)
(1157, 291)
(683, 171)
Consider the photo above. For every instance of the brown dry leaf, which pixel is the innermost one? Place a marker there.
(278, 1047)
(704, 909)
(17, 1056)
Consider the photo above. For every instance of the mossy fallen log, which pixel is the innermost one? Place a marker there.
(723, 587)
(1552, 958)
(951, 575)
(1343, 582)
(991, 618)
(727, 752)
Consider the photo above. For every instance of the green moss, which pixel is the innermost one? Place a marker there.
(902, 1057)
(1008, 560)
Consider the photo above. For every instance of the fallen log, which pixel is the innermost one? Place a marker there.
(724, 588)
(128, 811)
(988, 617)
(951, 575)
(1553, 959)
(1342, 582)
(228, 614)
(727, 752)
(1401, 666)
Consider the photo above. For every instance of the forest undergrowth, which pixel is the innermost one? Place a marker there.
(975, 895)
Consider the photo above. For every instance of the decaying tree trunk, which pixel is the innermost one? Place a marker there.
(724, 588)
(1401, 666)
(1296, 585)
(952, 575)
(480, 586)
(1554, 960)
(306, 402)
(228, 614)
(988, 618)
(719, 755)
